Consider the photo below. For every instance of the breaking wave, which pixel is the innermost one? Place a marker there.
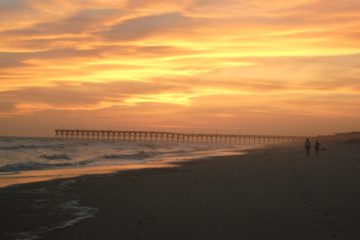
(136, 156)
(56, 157)
(39, 166)
(26, 154)
(30, 147)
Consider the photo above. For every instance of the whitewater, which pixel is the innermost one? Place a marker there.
(25, 160)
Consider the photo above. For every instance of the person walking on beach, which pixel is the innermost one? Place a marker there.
(307, 147)
(317, 147)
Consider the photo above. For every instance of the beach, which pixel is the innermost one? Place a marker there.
(271, 193)
(179, 120)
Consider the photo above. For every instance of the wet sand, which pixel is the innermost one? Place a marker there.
(276, 193)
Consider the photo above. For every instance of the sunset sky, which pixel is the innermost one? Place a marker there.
(248, 66)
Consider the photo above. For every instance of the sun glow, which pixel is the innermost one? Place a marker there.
(271, 63)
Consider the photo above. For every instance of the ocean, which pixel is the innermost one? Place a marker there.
(25, 160)
(30, 211)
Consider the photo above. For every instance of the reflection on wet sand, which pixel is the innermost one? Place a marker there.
(50, 174)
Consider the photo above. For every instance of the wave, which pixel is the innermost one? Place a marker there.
(25, 166)
(41, 145)
(18, 147)
(136, 156)
(30, 147)
(80, 213)
(56, 157)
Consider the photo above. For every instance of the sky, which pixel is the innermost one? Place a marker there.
(232, 66)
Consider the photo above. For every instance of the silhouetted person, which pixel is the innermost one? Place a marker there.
(307, 146)
(317, 147)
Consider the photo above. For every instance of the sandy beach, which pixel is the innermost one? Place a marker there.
(179, 120)
(268, 194)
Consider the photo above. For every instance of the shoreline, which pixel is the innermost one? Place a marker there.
(274, 193)
(62, 186)
(8, 179)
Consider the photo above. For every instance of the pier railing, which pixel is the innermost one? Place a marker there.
(172, 136)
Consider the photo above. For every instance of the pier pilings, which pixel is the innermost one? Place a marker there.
(173, 136)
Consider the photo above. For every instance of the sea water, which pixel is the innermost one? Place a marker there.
(50, 207)
(24, 160)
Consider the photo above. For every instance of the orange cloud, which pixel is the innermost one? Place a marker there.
(181, 62)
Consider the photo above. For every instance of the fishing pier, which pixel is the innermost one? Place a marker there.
(172, 136)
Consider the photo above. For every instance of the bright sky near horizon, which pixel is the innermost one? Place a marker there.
(250, 66)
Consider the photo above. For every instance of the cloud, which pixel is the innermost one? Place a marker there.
(181, 60)
(83, 95)
(82, 22)
(147, 26)
(280, 4)
(163, 5)
(7, 106)
(10, 61)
